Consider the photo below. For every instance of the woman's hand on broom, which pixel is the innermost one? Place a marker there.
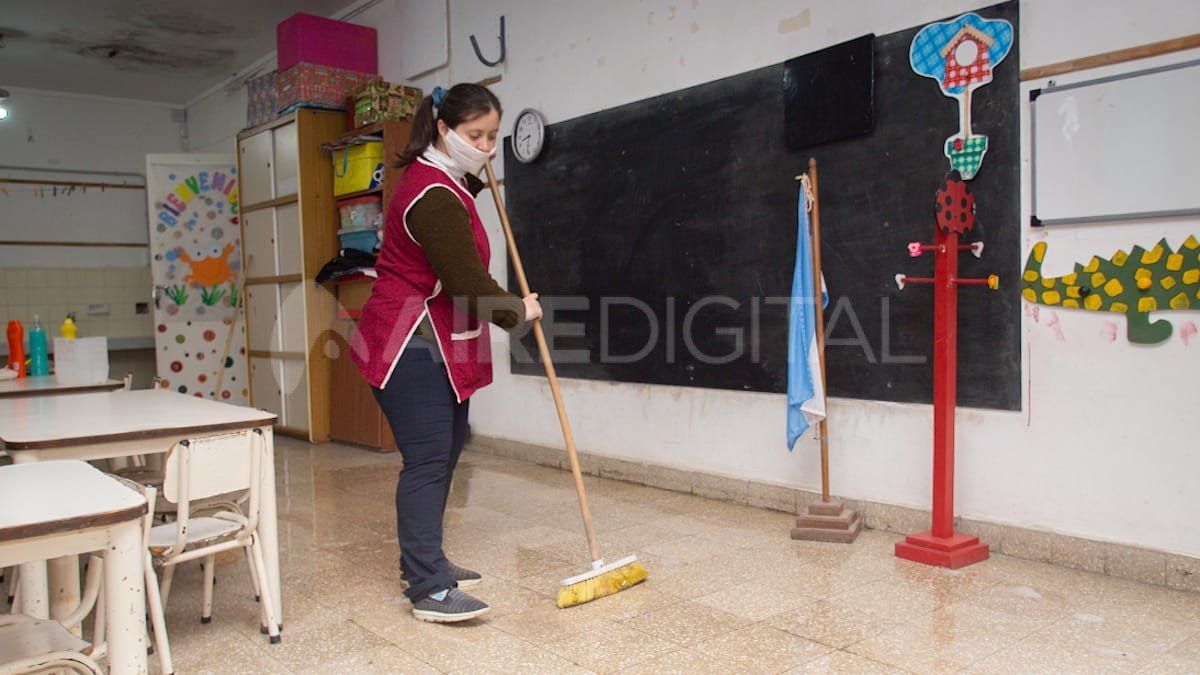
(533, 308)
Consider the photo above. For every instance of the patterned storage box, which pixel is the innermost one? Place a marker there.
(378, 100)
(309, 85)
(261, 99)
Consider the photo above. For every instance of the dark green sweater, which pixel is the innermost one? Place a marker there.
(442, 227)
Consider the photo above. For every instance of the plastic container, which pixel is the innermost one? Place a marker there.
(361, 212)
(68, 329)
(357, 168)
(16, 347)
(81, 361)
(364, 239)
(327, 42)
(39, 361)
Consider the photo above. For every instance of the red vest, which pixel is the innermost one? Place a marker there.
(408, 288)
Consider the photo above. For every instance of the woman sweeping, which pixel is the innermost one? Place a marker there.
(422, 341)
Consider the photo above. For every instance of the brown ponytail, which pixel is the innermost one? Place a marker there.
(463, 103)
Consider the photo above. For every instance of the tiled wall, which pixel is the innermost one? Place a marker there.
(53, 292)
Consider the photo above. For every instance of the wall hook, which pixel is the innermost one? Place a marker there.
(503, 49)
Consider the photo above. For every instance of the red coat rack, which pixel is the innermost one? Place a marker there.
(955, 209)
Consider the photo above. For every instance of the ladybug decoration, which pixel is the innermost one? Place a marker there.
(955, 205)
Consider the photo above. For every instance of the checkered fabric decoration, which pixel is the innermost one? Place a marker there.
(967, 158)
(925, 53)
(958, 76)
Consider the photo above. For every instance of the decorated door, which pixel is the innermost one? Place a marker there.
(196, 265)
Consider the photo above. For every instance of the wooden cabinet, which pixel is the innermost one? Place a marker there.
(354, 416)
(289, 224)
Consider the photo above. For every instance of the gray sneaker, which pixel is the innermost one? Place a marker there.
(456, 606)
(466, 578)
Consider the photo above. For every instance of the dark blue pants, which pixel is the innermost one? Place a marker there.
(430, 427)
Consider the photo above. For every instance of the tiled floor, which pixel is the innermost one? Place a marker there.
(728, 591)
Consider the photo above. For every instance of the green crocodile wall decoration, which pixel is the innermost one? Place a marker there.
(1134, 284)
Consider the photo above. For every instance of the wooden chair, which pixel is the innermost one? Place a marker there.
(213, 468)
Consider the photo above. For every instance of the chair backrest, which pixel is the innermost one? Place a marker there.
(211, 466)
(215, 465)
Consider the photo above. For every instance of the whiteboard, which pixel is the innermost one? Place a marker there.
(1118, 148)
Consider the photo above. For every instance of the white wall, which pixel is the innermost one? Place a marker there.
(51, 130)
(1105, 446)
(215, 118)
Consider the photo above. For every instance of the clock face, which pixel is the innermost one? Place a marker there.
(529, 134)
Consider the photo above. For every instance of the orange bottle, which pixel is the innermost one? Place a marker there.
(16, 347)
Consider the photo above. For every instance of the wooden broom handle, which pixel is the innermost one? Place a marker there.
(515, 258)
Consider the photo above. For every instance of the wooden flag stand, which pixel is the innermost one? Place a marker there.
(826, 520)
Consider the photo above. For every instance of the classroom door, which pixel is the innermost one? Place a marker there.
(196, 266)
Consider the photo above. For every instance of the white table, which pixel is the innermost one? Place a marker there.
(46, 385)
(124, 423)
(58, 509)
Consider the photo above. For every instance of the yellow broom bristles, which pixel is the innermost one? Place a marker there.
(609, 583)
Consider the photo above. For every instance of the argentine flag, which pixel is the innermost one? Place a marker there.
(806, 390)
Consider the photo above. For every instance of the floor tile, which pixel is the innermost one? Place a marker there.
(686, 623)
(618, 648)
(755, 600)
(763, 648)
(844, 663)
(829, 624)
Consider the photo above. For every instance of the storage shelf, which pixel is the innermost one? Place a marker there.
(370, 132)
(278, 201)
(361, 193)
(367, 130)
(353, 279)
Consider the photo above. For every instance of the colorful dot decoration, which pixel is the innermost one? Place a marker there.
(192, 349)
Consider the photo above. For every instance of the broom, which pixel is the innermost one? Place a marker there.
(603, 579)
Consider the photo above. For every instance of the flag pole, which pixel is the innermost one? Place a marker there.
(827, 520)
(815, 222)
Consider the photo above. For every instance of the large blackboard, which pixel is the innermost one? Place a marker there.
(688, 199)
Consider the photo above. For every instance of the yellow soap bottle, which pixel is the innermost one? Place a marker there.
(68, 329)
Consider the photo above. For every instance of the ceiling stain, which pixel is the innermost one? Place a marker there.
(128, 52)
(183, 24)
(180, 42)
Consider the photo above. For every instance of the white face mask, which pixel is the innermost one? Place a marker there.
(469, 158)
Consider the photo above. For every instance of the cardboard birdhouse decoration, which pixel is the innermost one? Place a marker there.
(961, 54)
